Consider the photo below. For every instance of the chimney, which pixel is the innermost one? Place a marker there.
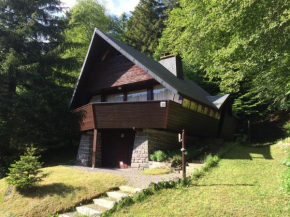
(173, 64)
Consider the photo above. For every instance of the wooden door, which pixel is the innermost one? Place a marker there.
(117, 146)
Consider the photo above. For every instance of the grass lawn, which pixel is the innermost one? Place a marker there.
(245, 183)
(157, 171)
(61, 190)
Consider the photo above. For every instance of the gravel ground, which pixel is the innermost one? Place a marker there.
(135, 177)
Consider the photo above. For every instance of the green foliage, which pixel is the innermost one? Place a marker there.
(145, 25)
(176, 161)
(286, 180)
(241, 45)
(159, 156)
(84, 17)
(26, 173)
(34, 91)
(286, 128)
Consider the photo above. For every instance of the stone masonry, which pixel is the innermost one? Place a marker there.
(150, 140)
(84, 157)
(140, 151)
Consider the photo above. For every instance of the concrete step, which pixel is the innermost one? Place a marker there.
(129, 189)
(104, 203)
(117, 195)
(69, 214)
(87, 211)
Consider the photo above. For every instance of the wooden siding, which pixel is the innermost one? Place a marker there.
(229, 127)
(115, 72)
(147, 114)
(83, 118)
(193, 122)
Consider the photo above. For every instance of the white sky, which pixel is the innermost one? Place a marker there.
(115, 7)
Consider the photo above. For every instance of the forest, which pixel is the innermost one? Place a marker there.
(237, 47)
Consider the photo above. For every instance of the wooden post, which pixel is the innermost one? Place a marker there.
(95, 140)
(183, 155)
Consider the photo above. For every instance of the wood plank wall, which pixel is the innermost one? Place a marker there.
(83, 118)
(229, 127)
(130, 114)
(193, 122)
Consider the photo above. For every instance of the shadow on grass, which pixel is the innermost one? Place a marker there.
(246, 151)
(59, 189)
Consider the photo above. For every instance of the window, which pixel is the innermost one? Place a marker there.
(200, 109)
(177, 98)
(217, 115)
(193, 106)
(205, 111)
(186, 103)
(161, 93)
(96, 98)
(139, 95)
(119, 97)
(211, 113)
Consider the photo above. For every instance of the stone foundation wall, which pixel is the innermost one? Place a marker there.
(140, 151)
(84, 157)
(149, 140)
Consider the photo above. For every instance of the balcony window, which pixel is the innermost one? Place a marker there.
(96, 98)
(186, 103)
(119, 97)
(193, 106)
(139, 95)
(161, 93)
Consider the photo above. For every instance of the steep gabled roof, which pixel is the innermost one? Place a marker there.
(184, 87)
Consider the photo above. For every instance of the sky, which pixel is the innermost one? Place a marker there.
(115, 7)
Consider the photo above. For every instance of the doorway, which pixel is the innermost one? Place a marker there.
(117, 147)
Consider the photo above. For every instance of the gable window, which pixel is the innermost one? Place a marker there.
(139, 95)
(161, 93)
(96, 98)
(119, 97)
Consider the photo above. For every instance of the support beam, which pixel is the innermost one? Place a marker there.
(95, 140)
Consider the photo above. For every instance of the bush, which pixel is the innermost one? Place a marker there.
(286, 128)
(176, 161)
(26, 172)
(159, 156)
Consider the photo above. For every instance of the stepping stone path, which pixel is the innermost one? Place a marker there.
(102, 204)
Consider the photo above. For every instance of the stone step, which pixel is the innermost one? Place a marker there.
(104, 203)
(83, 210)
(129, 189)
(69, 214)
(117, 195)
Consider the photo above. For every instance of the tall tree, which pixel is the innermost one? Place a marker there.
(243, 44)
(145, 26)
(84, 17)
(31, 75)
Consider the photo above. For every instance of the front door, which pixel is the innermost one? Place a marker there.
(117, 147)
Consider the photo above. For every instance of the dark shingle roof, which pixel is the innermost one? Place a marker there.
(185, 87)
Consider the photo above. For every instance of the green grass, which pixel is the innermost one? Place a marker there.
(157, 171)
(61, 190)
(246, 182)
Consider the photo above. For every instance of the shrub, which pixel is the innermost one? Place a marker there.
(286, 128)
(26, 172)
(159, 156)
(176, 161)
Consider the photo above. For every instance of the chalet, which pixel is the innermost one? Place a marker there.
(128, 105)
